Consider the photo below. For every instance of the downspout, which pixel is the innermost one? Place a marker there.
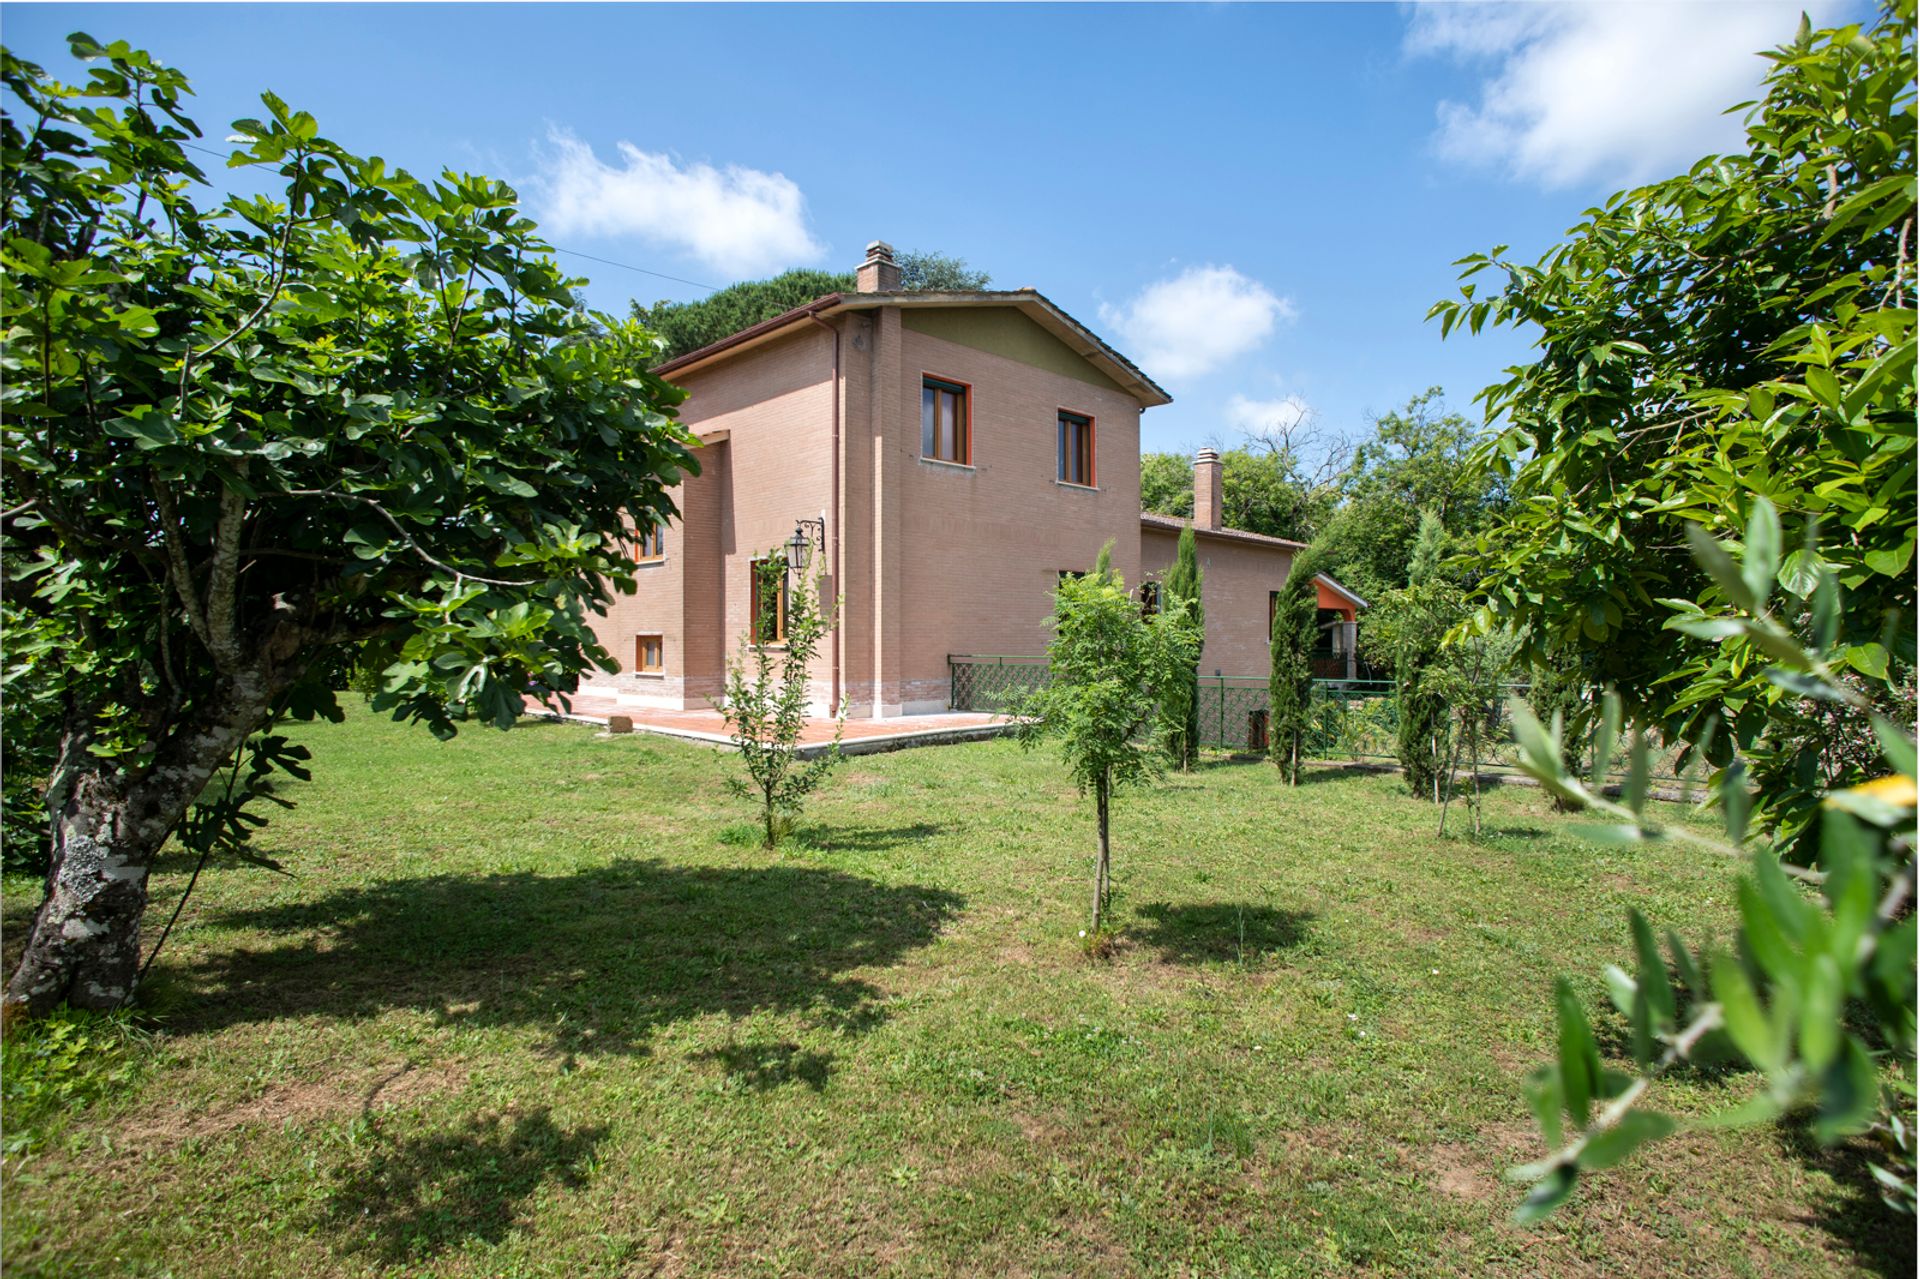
(839, 634)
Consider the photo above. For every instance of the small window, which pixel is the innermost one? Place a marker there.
(768, 603)
(1273, 606)
(946, 421)
(1075, 449)
(1150, 599)
(649, 654)
(652, 545)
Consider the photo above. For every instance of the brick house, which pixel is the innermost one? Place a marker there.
(944, 457)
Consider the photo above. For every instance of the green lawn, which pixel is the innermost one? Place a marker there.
(527, 1005)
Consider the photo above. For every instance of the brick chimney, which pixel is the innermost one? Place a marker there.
(1206, 489)
(878, 274)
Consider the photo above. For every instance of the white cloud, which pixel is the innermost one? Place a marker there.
(1196, 321)
(1598, 90)
(1258, 417)
(739, 222)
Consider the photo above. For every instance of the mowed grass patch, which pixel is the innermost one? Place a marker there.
(527, 1004)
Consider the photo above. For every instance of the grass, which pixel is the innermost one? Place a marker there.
(529, 1004)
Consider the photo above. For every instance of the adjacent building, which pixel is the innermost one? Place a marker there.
(938, 460)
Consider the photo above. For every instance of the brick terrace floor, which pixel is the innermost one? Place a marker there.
(711, 725)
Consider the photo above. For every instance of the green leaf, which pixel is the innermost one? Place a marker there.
(1713, 557)
(1708, 628)
(1800, 573)
(148, 430)
(1849, 1094)
(1746, 1021)
(1690, 975)
(1548, 1195)
(1762, 563)
(1608, 1147)
(1651, 973)
(1896, 745)
(1826, 610)
(1579, 1058)
(1802, 684)
(1606, 739)
(1791, 912)
(1776, 956)
(1762, 1109)
(1820, 1012)
(1825, 387)
(1547, 1100)
(1869, 659)
(1890, 561)
(1736, 801)
(1621, 988)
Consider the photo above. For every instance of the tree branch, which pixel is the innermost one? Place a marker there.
(221, 602)
(177, 567)
(405, 536)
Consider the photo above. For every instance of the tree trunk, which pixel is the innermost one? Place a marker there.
(1475, 766)
(108, 821)
(1100, 788)
(1451, 765)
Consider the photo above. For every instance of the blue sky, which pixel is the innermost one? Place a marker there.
(1256, 203)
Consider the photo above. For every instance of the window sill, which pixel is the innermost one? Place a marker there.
(649, 674)
(655, 562)
(952, 466)
(1069, 484)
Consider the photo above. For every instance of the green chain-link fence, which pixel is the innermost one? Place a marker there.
(1352, 719)
(988, 682)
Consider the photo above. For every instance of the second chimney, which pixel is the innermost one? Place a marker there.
(1206, 489)
(879, 273)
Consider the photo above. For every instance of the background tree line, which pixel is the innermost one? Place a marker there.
(1362, 503)
(688, 326)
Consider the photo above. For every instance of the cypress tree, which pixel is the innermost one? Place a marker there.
(1290, 680)
(1184, 582)
(1103, 565)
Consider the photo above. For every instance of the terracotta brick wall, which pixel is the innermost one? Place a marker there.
(930, 559)
(775, 404)
(1237, 579)
(981, 547)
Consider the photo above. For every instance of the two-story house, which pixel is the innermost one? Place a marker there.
(944, 457)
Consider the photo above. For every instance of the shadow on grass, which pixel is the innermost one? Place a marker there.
(1880, 1239)
(765, 1066)
(1219, 931)
(419, 1195)
(864, 839)
(594, 961)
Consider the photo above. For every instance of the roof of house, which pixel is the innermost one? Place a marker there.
(1329, 580)
(1078, 338)
(1174, 523)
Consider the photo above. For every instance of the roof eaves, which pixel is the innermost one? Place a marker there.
(1176, 522)
(1334, 582)
(1029, 300)
(748, 334)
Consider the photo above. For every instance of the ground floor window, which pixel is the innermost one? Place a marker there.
(649, 654)
(768, 605)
